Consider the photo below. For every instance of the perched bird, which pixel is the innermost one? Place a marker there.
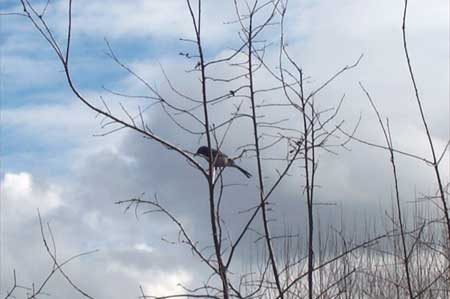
(220, 159)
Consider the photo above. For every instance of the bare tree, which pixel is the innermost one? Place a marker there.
(339, 267)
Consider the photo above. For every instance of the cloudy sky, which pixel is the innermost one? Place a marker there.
(53, 160)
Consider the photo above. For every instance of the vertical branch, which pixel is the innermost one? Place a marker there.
(425, 124)
(388, 138)
(69, 32)
(399, 213)
(212, 208)
(263, 203)
(309, 151)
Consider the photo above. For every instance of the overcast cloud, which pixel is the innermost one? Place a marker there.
(52, 162)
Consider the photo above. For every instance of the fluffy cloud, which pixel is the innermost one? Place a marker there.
(93, 173)
(82, 221)
(22, 197)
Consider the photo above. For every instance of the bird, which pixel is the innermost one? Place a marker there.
(220, 159)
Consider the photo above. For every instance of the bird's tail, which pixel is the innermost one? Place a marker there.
(245, 172)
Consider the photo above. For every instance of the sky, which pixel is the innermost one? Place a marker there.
(53, 159)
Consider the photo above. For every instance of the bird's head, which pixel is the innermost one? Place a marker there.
(202, 151)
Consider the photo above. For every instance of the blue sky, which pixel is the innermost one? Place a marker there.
(52, 161)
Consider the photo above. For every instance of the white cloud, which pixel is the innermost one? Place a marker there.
(155, 19)
(110, 168)
(144, 247)
(167, 283)
(21, 197)
(82, 219)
